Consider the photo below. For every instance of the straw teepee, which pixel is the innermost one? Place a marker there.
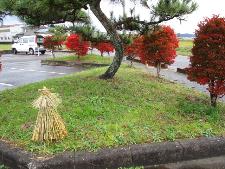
(49, 125)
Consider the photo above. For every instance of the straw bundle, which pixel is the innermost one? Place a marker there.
(49, 125)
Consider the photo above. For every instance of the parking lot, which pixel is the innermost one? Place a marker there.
(18, 70)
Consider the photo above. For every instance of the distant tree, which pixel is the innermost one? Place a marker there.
(105, 47)
(132, 50)
(208, 60)
(159, 47)
(52, 42)
(60, 34)
(75, 43)
(43, 12)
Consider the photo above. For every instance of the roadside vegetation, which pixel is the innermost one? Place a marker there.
(5, 47)
(111, 113)
(185, 47)
(91, 58)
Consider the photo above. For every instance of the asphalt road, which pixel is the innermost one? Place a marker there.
(19, 70)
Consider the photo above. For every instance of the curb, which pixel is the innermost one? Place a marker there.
(137, 60)
(71, 63)
(206, 163)
(182, 70)
(134, 155)
(6, 52)
(14, 158)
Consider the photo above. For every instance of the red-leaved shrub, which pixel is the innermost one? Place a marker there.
(105, 47)
(159, 47)
(75, 43)
(51, 43)
(208, 60)
(132, 50)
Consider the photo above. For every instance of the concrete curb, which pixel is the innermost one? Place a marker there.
(134, 155)
(71, 63)
(14, 157)
(181, 70)
(206, 163)
(163, 66)
(6, 52)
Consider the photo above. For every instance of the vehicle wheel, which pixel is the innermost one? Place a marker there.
(31, 51)
(14, 51)
(43, 52)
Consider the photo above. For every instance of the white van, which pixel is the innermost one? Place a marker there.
(29, 45)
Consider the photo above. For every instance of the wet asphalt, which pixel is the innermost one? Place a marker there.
(19, 70)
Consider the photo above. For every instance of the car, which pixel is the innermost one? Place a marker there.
(30, 45)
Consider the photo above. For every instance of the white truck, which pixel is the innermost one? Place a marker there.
(30, 45)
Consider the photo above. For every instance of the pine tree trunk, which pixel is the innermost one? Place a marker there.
(213, 98)
(111, 30)
(158, 66)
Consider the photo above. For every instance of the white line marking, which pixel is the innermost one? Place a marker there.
(40, 71)
(5, 84)
(18, 62)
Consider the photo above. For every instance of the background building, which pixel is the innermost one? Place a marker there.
(8, 32)
(11, 33)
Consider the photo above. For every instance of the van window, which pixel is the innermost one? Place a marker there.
(25, 40)
(40, 39)
(31, 40)
(20, 41)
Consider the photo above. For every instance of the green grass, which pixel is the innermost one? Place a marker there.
(3, 166)
(88, 58)
(133, 108)
(185, 47)
(5, 47)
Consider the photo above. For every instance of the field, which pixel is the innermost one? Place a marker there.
(5, 47)
(185, 47)
(111, 113)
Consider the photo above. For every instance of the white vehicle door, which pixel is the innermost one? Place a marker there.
(25, 45)
(19, 45)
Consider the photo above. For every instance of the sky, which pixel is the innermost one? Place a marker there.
(206, 9)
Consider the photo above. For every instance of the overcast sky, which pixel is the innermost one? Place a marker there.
(206, 9)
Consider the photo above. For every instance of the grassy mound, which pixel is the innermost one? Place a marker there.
(91, 58)
(133, 108)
